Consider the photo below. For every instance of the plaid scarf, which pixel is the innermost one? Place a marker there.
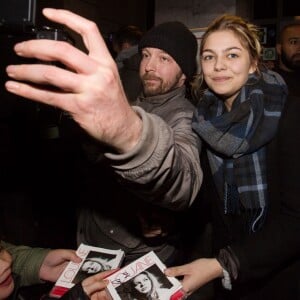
(237, 142)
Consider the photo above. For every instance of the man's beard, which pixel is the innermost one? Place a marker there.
(160, 86)
(290, 63)
(150, 89)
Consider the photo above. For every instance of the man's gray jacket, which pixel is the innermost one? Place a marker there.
(119, 211)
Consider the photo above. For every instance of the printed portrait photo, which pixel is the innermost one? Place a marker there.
(148, 284)
(94, 263)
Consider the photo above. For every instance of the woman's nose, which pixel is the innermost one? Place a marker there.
(219, 64)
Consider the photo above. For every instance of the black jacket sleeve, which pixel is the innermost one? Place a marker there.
(75, 293)
(277, 245)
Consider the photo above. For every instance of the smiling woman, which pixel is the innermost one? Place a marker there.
(6, 280)
(237, 118)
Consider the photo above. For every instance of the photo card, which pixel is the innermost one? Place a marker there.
(144, 279)
(94, 260)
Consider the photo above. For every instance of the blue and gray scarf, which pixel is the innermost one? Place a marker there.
(237, 142)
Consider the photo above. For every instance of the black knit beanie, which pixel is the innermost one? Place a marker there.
(177, 40)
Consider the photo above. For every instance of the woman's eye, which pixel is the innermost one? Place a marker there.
(232, 55)
(207, 57)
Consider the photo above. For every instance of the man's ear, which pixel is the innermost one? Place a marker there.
(182, 78)
(278, 49)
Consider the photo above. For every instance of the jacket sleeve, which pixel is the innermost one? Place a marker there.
(26, 262)
(75, 293)
(164, 166)
(278, 244)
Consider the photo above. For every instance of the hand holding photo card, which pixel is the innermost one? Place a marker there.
(144, 279)
(94, 260)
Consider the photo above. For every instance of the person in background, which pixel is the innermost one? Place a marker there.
(113, 217)
(288, 51)
(254, 201)
(24, 266)
(125, 44)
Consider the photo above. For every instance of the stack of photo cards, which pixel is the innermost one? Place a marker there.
(144, 279)
(94, 260)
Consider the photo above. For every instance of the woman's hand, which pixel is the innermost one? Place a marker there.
(94, 286)
(197, 273)
(55, 262)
